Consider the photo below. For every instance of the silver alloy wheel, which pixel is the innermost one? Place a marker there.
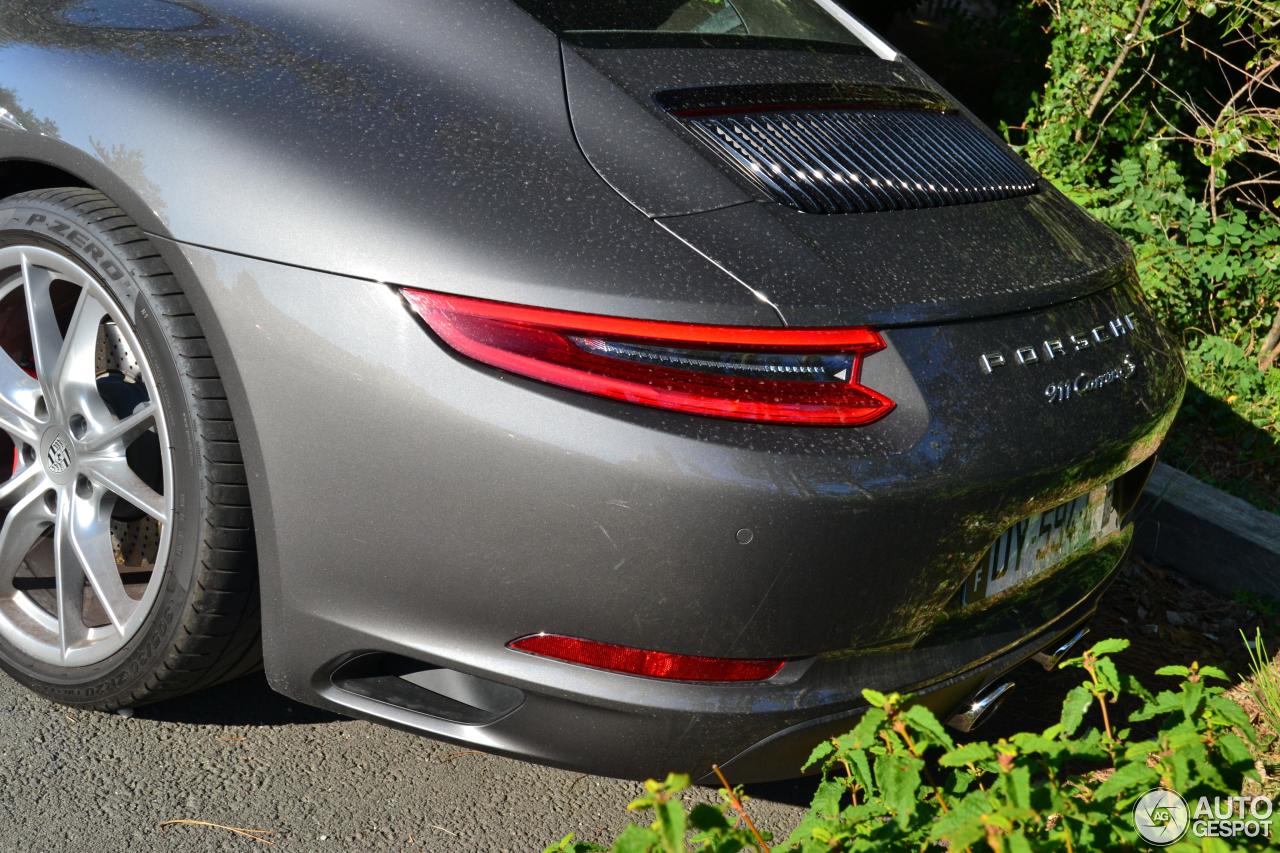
(65, 597)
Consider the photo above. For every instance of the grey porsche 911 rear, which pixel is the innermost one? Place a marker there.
(670, 373)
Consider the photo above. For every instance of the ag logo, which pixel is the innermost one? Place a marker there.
(1161, 817)
(59, 456)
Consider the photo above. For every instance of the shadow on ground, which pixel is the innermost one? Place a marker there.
(792, 792)
(250, 701)
(1213, 443)
(246, 701)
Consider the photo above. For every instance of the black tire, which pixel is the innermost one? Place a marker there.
(204, 624)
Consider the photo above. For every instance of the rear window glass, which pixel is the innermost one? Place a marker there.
(714, 23)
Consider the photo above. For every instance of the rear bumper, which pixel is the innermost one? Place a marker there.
(620, 725)
(411, 504)
(782, 753)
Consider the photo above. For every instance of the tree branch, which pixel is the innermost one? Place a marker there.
(1097, 137)
(1270, 346)
(1126, 47)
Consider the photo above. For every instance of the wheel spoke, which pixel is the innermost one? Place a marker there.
(18, 394)
(69, 576)
(46, 338)
(124, 430)
(23, 526)
(89, 538)
(20, 485)
(117, 477)
(18, 427)
(82, 398)
(75, 366)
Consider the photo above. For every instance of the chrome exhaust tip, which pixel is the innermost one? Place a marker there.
(1050, 661)
(980, 708)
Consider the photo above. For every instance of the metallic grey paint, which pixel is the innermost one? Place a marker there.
(291, 162)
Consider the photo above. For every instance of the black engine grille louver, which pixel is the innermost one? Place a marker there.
(850, 161)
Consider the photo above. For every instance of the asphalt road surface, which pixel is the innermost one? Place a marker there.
(241, 756)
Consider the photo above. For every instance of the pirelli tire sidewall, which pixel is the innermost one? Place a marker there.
(27, 222)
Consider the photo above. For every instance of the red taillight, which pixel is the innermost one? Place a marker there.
(795, 376)
(645, 662)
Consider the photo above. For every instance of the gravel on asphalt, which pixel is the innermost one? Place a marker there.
(242, 756)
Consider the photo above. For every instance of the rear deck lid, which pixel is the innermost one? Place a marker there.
(912, 266)
(843, 187)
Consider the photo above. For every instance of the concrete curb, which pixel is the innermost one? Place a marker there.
(1221, 541)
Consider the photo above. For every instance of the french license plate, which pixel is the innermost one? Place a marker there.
(1043, 541)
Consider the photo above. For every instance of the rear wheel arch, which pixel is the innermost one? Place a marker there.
(30, 161)
(204, 624)
(50, 163)
(194, 283)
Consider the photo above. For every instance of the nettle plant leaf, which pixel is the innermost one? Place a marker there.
(1139, 750)
(827, 799)
(1224, 712)
(1018, 843)
(1128, 778)
(670, 823)
(1179, 769)
(926, 724)
(1089, 744)
(864, 734)
(706, 818)
(820, 752)
(568, 845)
(969, 753)
(1175, 669)
(1131, 686)
(1108, 647)
(1162, 703)
(1019, 788)
(637, 839)
(963, 826)
(1073, 707)
(960, 783)
(898, 781)
(1235, 752)
(1108, 677)
(861, 766)
(1192, 693)
(865, 814)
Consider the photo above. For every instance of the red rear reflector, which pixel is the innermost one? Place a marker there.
(783, 375)
(644, 662)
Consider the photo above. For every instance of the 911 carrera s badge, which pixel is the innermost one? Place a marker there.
(59, 455)
(1087, 383)
(1048, 350)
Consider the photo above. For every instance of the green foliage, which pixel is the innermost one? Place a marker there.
(1099, 48)
(1217, 281)
(898, 781)
(1216, 275)
(1124, 73)
(1160, 117)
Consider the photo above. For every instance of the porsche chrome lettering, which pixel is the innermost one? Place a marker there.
(1053, 348)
